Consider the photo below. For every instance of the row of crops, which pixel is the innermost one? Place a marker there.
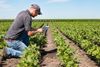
(3, 29)
(64, 52)
(86, 35)
(32, 55)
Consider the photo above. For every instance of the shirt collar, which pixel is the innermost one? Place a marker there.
(28, 12)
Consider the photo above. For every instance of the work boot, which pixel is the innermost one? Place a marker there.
(5, 56)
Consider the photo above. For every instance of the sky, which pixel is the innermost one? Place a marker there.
(53, 9)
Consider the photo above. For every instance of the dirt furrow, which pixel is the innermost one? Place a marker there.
(50, 59)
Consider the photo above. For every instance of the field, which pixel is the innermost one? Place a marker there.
(68, 43)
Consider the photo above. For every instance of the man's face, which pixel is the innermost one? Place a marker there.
(34, 13)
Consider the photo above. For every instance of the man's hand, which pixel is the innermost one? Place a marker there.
(30, 33)
(40, 30)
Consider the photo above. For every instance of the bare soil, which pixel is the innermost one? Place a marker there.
(49, 59)
(8, 62)
(12, 62)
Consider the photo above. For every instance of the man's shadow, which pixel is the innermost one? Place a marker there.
(43, 52)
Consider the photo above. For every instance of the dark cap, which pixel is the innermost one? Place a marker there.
(36, 7)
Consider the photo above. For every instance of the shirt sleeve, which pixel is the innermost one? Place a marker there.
(27, 23)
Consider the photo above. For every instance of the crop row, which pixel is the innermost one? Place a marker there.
(32, 56)
(86, 35)
(64, 52)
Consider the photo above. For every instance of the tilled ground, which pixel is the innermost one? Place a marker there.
(9, 62)
(49, 59)
(12, 62)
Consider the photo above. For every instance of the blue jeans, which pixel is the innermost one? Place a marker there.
(15, 47)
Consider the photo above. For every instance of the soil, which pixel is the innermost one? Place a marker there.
(12, 62)
(49, 59)
(82, 57)
(8, 62)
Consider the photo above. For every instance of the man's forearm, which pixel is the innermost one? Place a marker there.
(34, 31)
(30, 33)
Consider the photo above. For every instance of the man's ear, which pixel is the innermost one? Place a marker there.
(33, 9)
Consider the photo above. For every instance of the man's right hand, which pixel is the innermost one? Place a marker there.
(30, 33)
(40, 30)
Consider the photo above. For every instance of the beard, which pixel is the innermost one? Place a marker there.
(33, 16)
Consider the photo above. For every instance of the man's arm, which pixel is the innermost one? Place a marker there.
(34, 31)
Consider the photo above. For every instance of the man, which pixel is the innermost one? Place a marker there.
(17, 37)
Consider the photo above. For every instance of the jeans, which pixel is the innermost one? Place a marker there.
(15, 47)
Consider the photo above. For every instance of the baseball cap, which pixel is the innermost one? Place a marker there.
(36, 7)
